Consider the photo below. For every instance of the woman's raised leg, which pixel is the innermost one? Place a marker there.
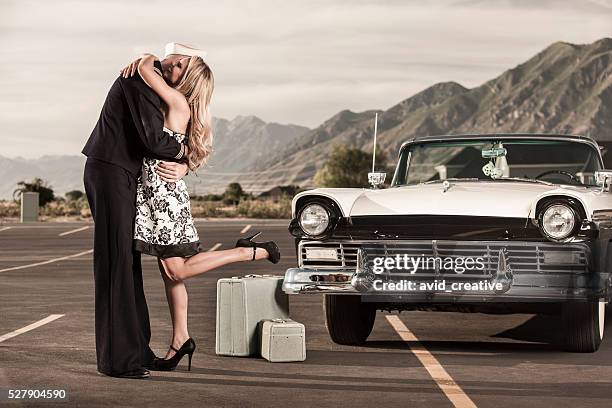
(178, 269)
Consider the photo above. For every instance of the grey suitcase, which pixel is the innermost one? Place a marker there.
(283, 340)
(242, 302)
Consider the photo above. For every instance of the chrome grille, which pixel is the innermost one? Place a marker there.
(346, 255)
(523, 257)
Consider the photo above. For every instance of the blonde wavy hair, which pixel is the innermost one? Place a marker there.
(197, 85)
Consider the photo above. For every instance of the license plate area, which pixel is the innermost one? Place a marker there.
(328, 254)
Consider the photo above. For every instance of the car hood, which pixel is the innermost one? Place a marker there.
(496, 199)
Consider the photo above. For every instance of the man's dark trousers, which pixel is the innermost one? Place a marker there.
(122, 318)
(130, 126)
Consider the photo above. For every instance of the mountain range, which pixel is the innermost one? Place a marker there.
(566, 88)
(238, 144)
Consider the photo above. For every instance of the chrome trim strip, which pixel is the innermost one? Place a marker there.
(519, 136)
(434, 249)
(602, 215)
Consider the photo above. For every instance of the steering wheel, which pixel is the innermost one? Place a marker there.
(571, 176)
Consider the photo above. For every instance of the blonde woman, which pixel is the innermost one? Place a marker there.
(164, 226)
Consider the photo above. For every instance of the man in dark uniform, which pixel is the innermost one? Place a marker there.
(129, 128)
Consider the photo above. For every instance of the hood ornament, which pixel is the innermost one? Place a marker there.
(446, 185)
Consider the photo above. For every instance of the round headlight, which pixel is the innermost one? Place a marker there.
(314, 219)
(558, 221)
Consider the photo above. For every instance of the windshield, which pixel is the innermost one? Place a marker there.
(558, 162)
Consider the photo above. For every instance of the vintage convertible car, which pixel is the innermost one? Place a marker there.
(533, 212)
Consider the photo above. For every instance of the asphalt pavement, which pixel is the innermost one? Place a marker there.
(429, 359)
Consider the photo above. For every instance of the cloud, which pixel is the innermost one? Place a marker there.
(286, 61)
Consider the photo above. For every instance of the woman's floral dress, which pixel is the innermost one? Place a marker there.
(164, 226)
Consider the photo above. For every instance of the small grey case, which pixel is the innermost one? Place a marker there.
(283, 340)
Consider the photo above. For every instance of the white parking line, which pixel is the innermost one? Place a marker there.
(245, 229)
(14, 268)
(446, 383)
(73, 231)
(36, 226)
(214, 247)
(4, 228)
(29, 327)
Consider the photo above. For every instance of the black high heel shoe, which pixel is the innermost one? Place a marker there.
(246, 242)
(162, 364)
(269, 246)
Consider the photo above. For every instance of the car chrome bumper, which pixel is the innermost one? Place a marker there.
(339, 281)
(304, 280)
(526, 282)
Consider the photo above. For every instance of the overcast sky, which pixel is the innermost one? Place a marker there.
(284, 61)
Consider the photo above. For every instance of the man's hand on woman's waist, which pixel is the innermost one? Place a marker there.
(171, 172)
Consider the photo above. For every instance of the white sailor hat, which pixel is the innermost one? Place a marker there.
(182, 49)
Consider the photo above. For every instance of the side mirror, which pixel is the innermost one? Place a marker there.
(603, 178)
(376, 178)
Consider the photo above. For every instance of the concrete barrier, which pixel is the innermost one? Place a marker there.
(29, 207)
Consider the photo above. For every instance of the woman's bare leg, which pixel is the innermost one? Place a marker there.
(175, 270)
(179, 269)
(176, 294)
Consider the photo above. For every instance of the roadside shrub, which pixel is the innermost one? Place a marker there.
(280, 208)
(348, 166)
(66, 208)
(38, 185)
(9, 209)
(247, 208)
(206, 209)
(74, 195)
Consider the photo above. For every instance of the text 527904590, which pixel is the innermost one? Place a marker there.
(31, 394)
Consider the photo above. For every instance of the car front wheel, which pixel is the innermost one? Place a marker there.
(349, 320)
(583, 324)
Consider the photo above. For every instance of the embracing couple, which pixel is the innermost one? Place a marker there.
(154, 127)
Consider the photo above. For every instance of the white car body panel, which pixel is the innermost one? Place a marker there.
(473, 198)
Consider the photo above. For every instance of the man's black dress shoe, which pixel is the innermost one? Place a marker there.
(137, 373)
(149, 364)
(149, 359)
